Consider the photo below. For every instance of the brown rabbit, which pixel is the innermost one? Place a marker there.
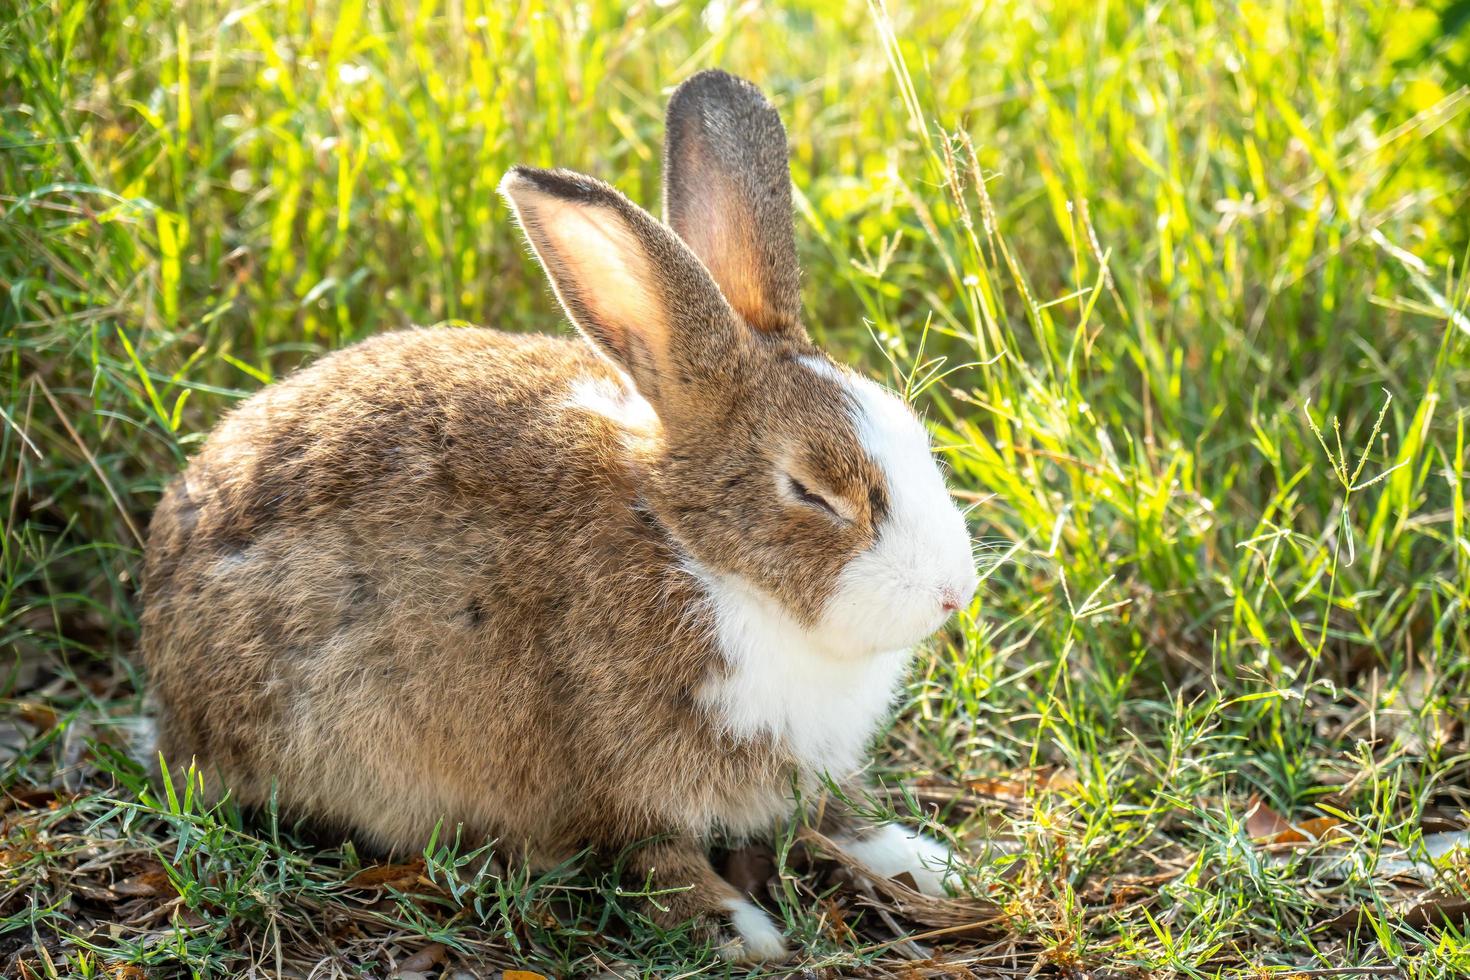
(629, 589)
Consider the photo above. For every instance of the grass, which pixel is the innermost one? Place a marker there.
(1182, 287)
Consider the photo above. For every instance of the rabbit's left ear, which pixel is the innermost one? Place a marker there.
(629, 284)
(727, 194)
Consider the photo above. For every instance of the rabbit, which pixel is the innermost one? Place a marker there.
(627, 593)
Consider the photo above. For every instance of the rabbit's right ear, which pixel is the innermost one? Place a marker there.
(627, 282)
(727, 193)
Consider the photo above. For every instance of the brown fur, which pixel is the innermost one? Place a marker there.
(417, 582)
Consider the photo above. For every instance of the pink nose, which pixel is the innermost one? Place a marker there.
(949, 600)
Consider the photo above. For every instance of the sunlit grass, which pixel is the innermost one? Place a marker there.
(1182, 288)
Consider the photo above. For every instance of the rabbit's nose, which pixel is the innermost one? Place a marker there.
(953, 598)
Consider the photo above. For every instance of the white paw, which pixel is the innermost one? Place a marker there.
(891, 850)
(756, 939)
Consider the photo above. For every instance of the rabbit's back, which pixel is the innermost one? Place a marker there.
(372, 585)
(402, 417)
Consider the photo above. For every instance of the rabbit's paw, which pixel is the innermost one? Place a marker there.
(892, 850)
(747, 935)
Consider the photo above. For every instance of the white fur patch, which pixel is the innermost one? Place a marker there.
(760, 939)
(891, 850)
(823, 693)
(894, 594)
(619, 403)
(824, 705)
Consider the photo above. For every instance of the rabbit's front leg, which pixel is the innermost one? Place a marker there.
(692, 891)
(890, 849)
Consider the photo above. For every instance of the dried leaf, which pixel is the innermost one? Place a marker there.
(146, 885)
(1262, 822)
(425, 959)
(1439, 909)
(1430, 908)
(124, 971)
(86, 889)
(24, 797)
(521, 975)
(1266, 826)
(835, 922)
(384, 876)
(1000, 788)
(1019, 787)
(1319, 828)
(38, 716)
(189, 919)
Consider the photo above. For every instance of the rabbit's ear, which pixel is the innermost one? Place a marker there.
(727, 193)
(627, 282)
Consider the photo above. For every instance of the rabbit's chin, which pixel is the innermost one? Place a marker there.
(842, 640)
(859, 633)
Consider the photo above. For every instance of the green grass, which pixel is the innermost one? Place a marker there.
(1182, 287)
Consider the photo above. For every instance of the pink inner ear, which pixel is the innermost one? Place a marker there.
(723, 233)
(605, 265)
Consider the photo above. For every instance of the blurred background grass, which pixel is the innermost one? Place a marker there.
(1180, 284)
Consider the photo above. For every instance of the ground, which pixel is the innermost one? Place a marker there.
(1181, 288)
